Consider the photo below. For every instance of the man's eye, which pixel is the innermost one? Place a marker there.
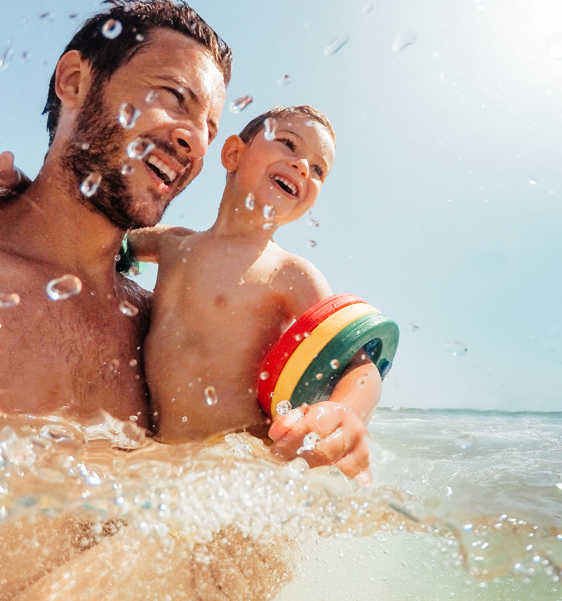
(174, 92)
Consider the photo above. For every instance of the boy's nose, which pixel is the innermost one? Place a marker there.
(302, 167)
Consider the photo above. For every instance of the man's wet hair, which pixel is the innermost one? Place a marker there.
(279, 112)
(137, 18)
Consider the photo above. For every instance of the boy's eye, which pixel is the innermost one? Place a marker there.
(290, 145)
(319, 171)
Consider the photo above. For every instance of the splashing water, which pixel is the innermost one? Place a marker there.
(111, 29)
(403, 39)
(310, 442)
(128, 309)
(313, 222)
(239, 105)
(250, 203)
(128, 115)
(285, 80)
(493, 510)
(268, 212)
(90, 185)
(5, 58)
(140, 148)
(64, 287)
(269, 129)
(311, 244)
(9, 299)
(337, 44)
(211, 396)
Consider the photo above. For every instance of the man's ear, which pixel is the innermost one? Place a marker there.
(72, 79)
(231, 153)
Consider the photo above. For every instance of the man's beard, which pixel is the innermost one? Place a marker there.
(98, 147)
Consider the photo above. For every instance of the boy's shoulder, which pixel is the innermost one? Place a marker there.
(299, 281)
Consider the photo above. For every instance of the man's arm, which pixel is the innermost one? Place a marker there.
(341, 422)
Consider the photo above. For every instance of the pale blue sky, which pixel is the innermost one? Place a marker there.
(443, 208)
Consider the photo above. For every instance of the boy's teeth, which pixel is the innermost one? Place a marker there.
(286, 183)
(161, 166)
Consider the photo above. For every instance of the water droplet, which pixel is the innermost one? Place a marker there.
(298, 337)
(268, 226)
(85, 145)
(111, 29)
(128, 309)
(311, 243)
(465, 441)
(184, 419)
(64, 287)
(319, 376)
(240, 104)
(334, 363)
(151, 96)
(250, 202)
(283, 407)
(139, 37)
(134, 418)
(284, 81)
(127, 170)
(9, 299)
(457, 349)
(133, 363)
(117, 257)
(368, 7)
(337, 44)
(532, 181)
(311, 441)
(264, 375)
(268, 212)
(412, 327)
(128, 115)
(139, 148)
(554, 46)
(403, 39)
(313, 222)
(269, 129)
(211, 395)
(467, 527)
(44, 15)
(73, 16)
(90, 185)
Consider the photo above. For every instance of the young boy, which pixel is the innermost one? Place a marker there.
(223, 297)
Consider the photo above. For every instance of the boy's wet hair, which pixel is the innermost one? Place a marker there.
(258, 124)
(137, 19)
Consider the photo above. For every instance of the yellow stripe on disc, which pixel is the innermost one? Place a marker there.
(309, 348)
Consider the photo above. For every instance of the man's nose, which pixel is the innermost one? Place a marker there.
(302, 166)
(191, 142)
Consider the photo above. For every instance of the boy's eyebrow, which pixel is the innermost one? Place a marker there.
(182, 83)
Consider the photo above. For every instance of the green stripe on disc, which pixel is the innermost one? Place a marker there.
(312, 389)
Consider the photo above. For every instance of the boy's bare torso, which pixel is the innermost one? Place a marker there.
(220, 303)
(75, 356)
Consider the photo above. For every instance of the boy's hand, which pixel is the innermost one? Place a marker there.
(12, 181)
(342, 441)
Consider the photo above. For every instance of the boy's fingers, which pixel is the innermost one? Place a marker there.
(356, 464)
(9, 175)
(282, 424)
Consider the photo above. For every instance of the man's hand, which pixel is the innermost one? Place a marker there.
(342, 435)
(10, 177)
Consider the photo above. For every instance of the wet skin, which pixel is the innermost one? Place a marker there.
(81, 355)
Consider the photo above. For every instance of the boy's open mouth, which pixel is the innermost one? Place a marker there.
(162, 170)
(285, 185)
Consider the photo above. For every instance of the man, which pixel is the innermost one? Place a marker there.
(82, 354)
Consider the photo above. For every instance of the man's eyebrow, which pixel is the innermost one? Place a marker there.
(182, 83)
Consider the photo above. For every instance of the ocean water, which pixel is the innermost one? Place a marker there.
(467, 505)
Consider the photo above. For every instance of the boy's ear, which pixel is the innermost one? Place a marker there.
(72, 79)
(231, 152)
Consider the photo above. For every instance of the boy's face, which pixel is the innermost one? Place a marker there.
(287, 171)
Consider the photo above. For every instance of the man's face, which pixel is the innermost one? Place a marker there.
(179, 91)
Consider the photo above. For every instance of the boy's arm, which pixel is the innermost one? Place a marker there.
(341, 421)
(146, 243)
